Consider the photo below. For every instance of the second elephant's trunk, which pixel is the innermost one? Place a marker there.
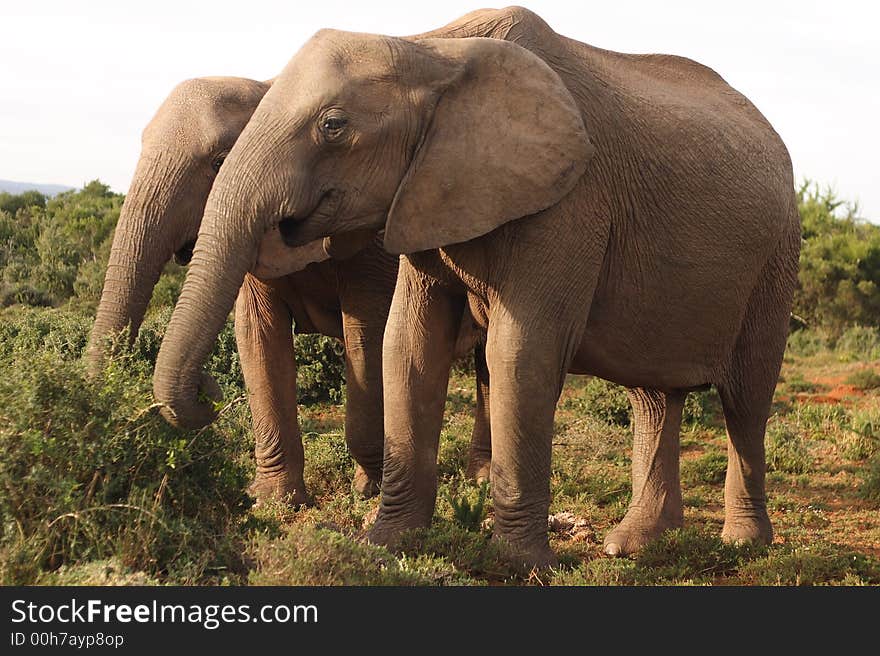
(142, 245)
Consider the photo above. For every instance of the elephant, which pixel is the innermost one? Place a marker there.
(631, 217)
(341, 288)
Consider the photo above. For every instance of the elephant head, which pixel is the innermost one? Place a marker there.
(436, 141)
(183, 147)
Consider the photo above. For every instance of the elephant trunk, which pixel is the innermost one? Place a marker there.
(225, 251)
(141, 248)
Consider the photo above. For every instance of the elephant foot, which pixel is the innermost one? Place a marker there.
(279, 487)
(638, 528)
(387, 532)
(365, 484)
(534, 554)
(744, 527)
(478, 467)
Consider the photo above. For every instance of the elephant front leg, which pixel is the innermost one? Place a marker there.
(417, 355)
(264, 334)
(656, 502)
(480, 454)
(527, 367)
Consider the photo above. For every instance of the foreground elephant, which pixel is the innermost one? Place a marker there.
(183, 149)
(631, 217)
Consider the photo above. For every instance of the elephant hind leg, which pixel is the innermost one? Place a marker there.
(364, 432)
(480, 454)
(264, 335)
(747, 393)
(656, 503)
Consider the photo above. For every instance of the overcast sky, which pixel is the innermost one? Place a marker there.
(80, 79)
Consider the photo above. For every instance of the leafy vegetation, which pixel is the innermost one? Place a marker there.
(95, 488)
(467, 511)
(864, 379)
(840, 263)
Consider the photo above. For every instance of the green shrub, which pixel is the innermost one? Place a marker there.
(859, 343)
(821, 418)
(25, 331)
(839, 263)
(863, 439)
(700, 408)
(786, 450)
(11, 203)
(320, 374)
(708, 469)
(807, 342)
(604, 401)
(317, 556)
(864, 379)
(52, 250)
(471, 552)
(98, 572)
(89, 470)
(329, 466)
(797, 384)
(691, 554)
(23, 294)
(870, 487)
(468, 506)
(600, 572)
(815, 564)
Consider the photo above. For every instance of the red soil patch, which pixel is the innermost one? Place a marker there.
(838, 394)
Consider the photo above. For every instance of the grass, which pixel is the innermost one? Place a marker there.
(707, 469)
(864, 379)
(96, 489)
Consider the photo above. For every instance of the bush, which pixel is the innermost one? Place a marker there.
(864, 435)
(89, 469)
(700, 408)
(820, 418)
(859, 343)
(52, 250)
(870, 487)
(318, 556)
(864, 379)
(26, 331)
(329, 466)
(797, 384)
(786, 451)
(839, 278)
(468, 506)
(320, 374)
(807, 342)
(812, 565)
(708, 469)
(692, 554)
(603, 400)
(472, 552)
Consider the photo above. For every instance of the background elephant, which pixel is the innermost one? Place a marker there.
(657, 248)
(347, 296)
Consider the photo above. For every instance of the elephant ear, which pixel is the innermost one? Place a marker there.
(505, 140)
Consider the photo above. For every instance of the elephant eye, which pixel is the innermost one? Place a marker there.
(218, 162)
(331, 126)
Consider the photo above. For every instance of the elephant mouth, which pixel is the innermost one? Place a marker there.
(293, 229)
(324, 221)
(183, 255)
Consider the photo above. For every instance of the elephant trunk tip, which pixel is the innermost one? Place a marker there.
(189, 411)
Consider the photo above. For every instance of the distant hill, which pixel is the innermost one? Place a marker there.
(13, 187)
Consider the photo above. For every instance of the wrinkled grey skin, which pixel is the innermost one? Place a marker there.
(634, 219)
(346, 296)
